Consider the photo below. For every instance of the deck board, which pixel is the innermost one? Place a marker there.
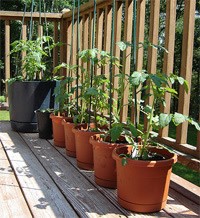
(12, 202)
(85, 198)
(111, 194)
(53, 185)
(43, 196)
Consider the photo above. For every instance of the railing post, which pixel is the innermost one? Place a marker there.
(63, 39)
(99, 34)
(186, 67)
(140, 52)
(153, 38)
(168, 64)
(126, 56)
(7, 51)
(55, 50)
(118, 30)
(107, 34)
(85, 40)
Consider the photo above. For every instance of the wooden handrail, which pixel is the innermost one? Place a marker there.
(18, 15)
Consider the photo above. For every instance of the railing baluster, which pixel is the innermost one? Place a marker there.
(55, 50)
(168, 64)
(118, 33)
(7, 51)
(63, 39)
(107, 34)
(99, 33)
(140, 52)
(24, 37)
(126, 55)
(153, 38)
(186, 67)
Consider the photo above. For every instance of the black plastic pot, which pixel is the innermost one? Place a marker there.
(24, 99)
(44, 124)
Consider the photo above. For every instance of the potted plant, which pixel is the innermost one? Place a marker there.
(59, 114)
(143, 169)
(105, 143)
(94, 102)
(33, 85)
(63, 117)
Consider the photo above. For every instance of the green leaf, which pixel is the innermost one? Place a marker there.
(180, 80)
(91, 92)
(133, 130)
(129, 139)
(115, 132)
(123, 45)
(147, 109)
(137, 78)
(157, 80)
(194, 123)
(171, 90)
(179, 118)
(164, 119)
(186, 86)
(124, 161)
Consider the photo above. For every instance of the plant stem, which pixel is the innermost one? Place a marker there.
(149, 126)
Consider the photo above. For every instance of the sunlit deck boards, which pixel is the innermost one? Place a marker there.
(47, 183)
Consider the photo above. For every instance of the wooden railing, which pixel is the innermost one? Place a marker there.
(123, 32)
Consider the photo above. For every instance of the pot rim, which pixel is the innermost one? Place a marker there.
(147, 163)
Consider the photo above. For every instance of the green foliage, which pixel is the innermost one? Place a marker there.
(4, 115)
(34, 61)
(186, 173)
(1, 65)
(63, 96)
(155, 86)
(2, 99)
(93, 95)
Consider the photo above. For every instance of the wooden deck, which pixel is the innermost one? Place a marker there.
(38, 179)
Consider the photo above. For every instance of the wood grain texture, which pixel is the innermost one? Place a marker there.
(18, 15)
(182, 206)
(12, 202)
(85, 198)
(170, 27)
(51, 181)
(43, 196)
(186, 67)
(7, 52)
(126, 65)
(111, 194)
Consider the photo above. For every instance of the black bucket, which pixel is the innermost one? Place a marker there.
(24, 99)
(44, 124)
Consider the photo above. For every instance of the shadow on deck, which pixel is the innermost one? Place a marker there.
(38, 179)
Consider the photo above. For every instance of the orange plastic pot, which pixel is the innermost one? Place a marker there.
(104, 164)
(143, 186)
(58, 130)
(69, 137)
(84, 150)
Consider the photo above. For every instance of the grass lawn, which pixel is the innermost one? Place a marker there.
(178, 168)
(4, 115)
(192, 134)
(186, 173)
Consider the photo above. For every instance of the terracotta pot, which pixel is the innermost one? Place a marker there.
(104, 164)
(142, 186)
(58, 130)
(69, 137)
(84, 150)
